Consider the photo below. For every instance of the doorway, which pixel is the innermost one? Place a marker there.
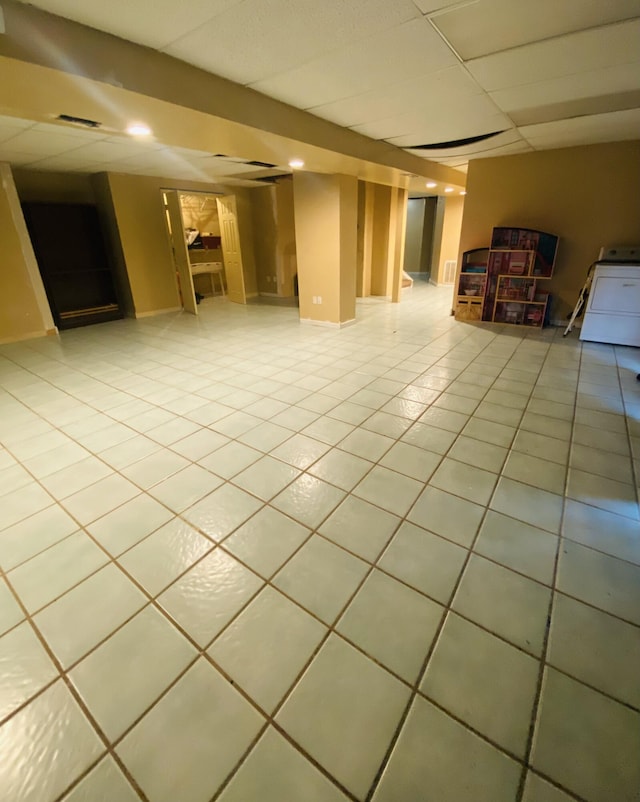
(70, 250)
(204, 236)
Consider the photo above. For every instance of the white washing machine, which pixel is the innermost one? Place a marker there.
(613, 307)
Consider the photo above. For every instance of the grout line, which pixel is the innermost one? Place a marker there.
(219, 543)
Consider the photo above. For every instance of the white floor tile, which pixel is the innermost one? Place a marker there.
(347, 700)
(586, 742)
(159, 559)
(267, 646)
(106, 781)
(484, 682)
(25, 668)
(392, 623)
(437, 753)
(121, 678)
(207, 597)
(428, 563)
(510, 605)
(275, 771)
(202, 725)
(57, 754)
(304, 578)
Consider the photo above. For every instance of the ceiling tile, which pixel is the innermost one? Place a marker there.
(15, 157)
(109, 151)
(455, 120)
(154, 23)
(430, 6)
(565, 55)
(617, 126)
(473, 31)
(396, 55)
(65, 163)
(42, 143)
(261, 38)
(591, 83)
(75, 132)
(382, 102)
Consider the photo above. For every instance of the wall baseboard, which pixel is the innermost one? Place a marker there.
(330, 324)
(155, 312)
(30, 335)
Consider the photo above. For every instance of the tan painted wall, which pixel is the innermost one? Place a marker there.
(348, 246)
(245, 229)
(366, 208)
(139, 237)
(397, 229)
(589, 196)
(138, 211)
(380, 240)
(325, 224)
(104, 200)
(451, 229)
(286, 245)
(415, 234)
(265, 238)
(24, 309)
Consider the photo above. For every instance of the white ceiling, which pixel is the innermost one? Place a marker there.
(44, 146)
(550, 73)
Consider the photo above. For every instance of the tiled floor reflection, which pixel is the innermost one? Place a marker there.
(249, 560)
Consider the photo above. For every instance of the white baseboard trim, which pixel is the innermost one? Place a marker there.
(155, 312)
(30, 335)
(330, 324)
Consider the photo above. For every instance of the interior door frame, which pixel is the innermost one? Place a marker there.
(172, 212)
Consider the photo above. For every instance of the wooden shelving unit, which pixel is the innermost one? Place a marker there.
(508, 288)
(472, 284)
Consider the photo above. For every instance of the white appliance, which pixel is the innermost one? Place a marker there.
(613, 308)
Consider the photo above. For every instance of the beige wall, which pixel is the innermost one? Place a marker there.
(104, 200)
(138, 211)
(589, 196)
(24, 309)
(245, 230)
(325, 224)
(139, 238)
(397, 236)
(415, 235)
(286, 244)
(450, 237)
(380, 240)
(265, 238)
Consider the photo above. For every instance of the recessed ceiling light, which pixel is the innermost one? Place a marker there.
(138, 129)
(296, 164)
(464, 192)
(431, 184)
(448, 189)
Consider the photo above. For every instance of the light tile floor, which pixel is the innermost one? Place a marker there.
(248, 560)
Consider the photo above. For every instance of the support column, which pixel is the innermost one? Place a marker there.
(326, 210)
(449, 240)
(366, 198)
(399, 213)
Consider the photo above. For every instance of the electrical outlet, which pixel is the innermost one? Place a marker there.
(319, 299)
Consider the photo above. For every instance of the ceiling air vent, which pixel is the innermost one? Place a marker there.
(266, 165)
(67, 118)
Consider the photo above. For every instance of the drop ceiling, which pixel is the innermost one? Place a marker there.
(550, 73)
